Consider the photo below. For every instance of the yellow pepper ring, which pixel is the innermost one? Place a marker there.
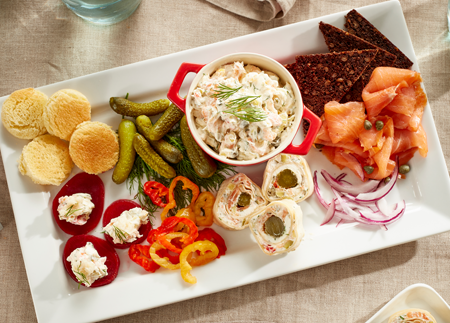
(201, 246)
(164, 262)
(204, 201)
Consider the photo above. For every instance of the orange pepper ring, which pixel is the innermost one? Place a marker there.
(187, 185)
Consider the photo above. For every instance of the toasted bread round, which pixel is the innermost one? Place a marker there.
(64, 111)
(46, 160)
(22, 113)
(94, 147)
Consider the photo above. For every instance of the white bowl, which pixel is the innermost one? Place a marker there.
(265, 63)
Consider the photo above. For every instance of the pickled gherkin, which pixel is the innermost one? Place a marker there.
(244, 199)
(168, 152)
(151, 158)
(287, 179)
(170, 117)
(127, 154)
(203, 165)
(132, 109)
(274, 226)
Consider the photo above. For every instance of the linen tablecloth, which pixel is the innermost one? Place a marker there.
(43, 42)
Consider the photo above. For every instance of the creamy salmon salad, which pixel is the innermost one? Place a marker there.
(243, 112)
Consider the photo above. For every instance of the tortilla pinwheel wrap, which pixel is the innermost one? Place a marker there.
(287, 177)
(412, 315)
(278, 228)
(237, 200)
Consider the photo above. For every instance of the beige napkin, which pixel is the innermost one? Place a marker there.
(261, 10)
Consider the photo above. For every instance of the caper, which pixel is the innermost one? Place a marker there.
(368, 169)
(318, 146)
(287, 179)
(367, 125)
(274, 226)
(244, 200)
(379, 125)
(403, 169)
(387, 180)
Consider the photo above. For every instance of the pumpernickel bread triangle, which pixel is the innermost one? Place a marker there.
(339, 40)
(328, 77)
(361, 27)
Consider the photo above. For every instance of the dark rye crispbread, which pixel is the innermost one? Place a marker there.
(361, 27)
(328, 77)
(339, 40)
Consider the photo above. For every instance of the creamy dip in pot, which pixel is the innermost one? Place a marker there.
(225, 104)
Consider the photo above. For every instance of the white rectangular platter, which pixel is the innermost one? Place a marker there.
(55, 295)
(419, 296)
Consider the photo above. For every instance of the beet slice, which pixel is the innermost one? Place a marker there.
(113, 211)
(103, 249)
(82, 183)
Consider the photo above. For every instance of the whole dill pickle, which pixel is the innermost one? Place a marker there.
(203, 165)
(168, 152)
(151, 158)
(132, 109)
(170, 117)
(127, 130)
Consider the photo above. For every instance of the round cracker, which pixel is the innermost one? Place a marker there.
(46, 160)
(94, 147)
(64, 111)
(22, 113)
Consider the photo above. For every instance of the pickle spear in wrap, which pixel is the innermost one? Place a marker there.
(412, 315)
(237, 200)
(278, 228)
(287, 177)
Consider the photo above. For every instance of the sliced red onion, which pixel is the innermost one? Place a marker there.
(330, 213)
(395, 217)
(382, 192)
(346, 188)
(362, 203)
(317, 190)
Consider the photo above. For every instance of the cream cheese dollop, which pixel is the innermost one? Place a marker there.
(125, 228)
(75, 208)
(87, 265)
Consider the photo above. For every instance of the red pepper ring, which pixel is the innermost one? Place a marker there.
(211, 235)
(140, 254)
(155, 191)
(168, 225)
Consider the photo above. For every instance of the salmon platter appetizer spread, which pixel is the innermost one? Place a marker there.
(178, 190)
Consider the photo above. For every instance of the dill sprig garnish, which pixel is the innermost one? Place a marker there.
(141, 172)
(122, 236)
(81, 277)
(247, 113)
(239, 107)
(70, 211)
(223, 92)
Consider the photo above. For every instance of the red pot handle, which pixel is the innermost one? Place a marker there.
(314, 127)
(174, 90)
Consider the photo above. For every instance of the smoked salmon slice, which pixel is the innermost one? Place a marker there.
(404, 140)
(384, 85)
(344, 121)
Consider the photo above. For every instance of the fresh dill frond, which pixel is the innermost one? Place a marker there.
(70, 211)
(248, 113)
(243, 109)
(122, 236)
(82, 279)
(223, 92)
